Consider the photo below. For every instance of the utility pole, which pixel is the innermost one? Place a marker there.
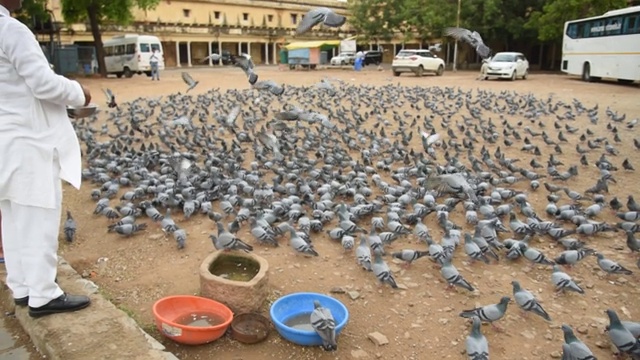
(455, 46)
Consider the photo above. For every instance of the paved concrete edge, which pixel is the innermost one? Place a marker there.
(101, 331)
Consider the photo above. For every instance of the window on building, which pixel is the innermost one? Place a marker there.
(269, 18)
(186, 12)
(294, 19)
(245, 16)
(216, 15)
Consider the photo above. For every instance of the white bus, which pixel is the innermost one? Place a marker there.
(129, 54)
(606, 46)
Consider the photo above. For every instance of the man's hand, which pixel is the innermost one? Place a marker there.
(87, 95)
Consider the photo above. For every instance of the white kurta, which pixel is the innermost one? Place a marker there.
(33, 120)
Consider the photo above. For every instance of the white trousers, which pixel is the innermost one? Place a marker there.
(30, 244)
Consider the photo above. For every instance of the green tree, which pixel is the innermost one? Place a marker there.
(99, 12)
(549, 21)
(33, 11)
(373, 19)
(428, 18)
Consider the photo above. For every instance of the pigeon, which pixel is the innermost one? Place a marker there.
(573, 348)
(111, 99)
(129, 229)
(320, 15)
(189, 81)
(621, 337)
(453, 277)
(213, 57)
(572, 257)
(527, 302)
(471, 37)
(611, 267)
(69, 227)
(382, 272)
(476, 343)
(632, 326)
(488, 313)
(324, 325)
(409, 255)
(363, 254)
(246, 64)
(563, 282)
(226, 241)
(269, 85)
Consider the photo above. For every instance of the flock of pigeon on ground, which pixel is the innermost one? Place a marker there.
(287, 161)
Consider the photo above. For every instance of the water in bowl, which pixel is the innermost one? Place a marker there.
(235, 268)
(200, 319)
(300, 321)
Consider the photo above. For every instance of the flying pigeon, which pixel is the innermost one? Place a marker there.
(472, 37)
(320, 15)
(111, 99)
(213, 57)
(189, 81)
(245, 63)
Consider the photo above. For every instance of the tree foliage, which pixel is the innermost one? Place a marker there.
(549, 21)
(33, 11)
(98, 12)
(501, 21)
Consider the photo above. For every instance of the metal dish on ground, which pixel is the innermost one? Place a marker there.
(250, 328)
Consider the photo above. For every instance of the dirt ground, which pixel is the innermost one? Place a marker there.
(420, 322)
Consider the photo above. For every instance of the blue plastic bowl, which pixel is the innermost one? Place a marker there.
(294, 304)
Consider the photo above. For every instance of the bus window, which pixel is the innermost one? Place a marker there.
(596, 28)
(631, 24)
(119, 50)
(572, 31)
(613, 27)
(108, 50)
(130, 49)
(144, 48)
(155, 47)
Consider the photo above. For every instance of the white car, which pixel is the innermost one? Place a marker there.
(345, 58)
(506, 65)
(417, 62)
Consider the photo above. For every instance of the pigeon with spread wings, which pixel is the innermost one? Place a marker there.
(320, 15)
(472, 37)
(189, 81)
(213, 57)
(244, 62)
(111, 99)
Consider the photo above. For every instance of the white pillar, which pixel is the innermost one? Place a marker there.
(239, 48)
(249, 48)
(220, 51)
(189, 53)
(210, 51)
(370, 46)
(178, 54)
(266, 54)
(420, 45)
(275, 60)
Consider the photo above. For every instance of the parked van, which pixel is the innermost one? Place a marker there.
(129, 54)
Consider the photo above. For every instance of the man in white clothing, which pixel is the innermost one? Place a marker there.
(154, 60)
(39, 148)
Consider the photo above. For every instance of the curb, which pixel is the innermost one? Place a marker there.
(101, 331)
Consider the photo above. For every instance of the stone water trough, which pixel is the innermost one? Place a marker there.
(235, 278)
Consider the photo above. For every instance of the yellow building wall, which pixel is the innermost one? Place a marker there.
(254, 23)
